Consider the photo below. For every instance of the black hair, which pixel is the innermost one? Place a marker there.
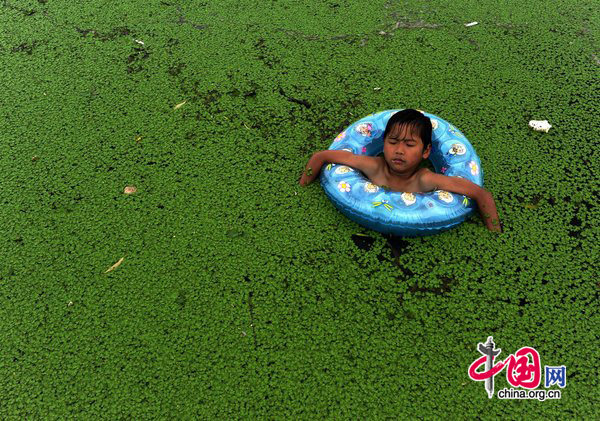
(413, 118)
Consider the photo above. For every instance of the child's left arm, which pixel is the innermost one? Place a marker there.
(487, 207)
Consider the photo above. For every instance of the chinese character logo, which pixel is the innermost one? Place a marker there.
(489, 353)
(523, 368)
(555, 375)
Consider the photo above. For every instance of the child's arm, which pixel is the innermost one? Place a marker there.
(487, 207)
(369, 165)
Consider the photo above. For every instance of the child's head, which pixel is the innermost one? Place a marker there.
(417, 124)
(407, 141)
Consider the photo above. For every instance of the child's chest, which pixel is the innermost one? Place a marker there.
(409, 186)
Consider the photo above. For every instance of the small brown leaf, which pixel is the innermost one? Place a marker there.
(115, 265)
(130, 190)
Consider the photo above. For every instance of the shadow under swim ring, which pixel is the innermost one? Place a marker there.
(402, 214)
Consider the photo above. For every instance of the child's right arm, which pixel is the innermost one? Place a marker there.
(369, 165)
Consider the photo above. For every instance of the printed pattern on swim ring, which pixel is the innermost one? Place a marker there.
(402, 213)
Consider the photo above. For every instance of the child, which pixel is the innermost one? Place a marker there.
(406, 143)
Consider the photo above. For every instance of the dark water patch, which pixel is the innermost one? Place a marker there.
(397, 245)
(362, 241)
(133, 59)
(174, 70)
(296, 100)
(108, 36)
(575, 221)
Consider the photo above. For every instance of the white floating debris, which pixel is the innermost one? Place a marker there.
(179, 105)
(138, 41)
(540, 125)
(471, 24)
(376, 89)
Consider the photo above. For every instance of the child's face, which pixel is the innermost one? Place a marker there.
(405, 146)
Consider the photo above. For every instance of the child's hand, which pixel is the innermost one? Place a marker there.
(312, 170)
(493, 224)
(497, 227)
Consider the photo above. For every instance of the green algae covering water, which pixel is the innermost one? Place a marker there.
(160, 260)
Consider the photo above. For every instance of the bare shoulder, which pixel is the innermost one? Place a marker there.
(424, 180)
(380, 160)
(423, 174)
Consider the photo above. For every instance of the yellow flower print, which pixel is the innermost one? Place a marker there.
(340, 136)
(343, 169)
(370, 187)
(343, 186)
(408, 198)
(445, 196)
(474, 167)
(457, 149)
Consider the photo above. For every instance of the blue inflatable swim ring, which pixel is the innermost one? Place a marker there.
(398, 213)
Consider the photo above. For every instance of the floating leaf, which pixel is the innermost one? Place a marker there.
(115, 265)
(179, 105)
